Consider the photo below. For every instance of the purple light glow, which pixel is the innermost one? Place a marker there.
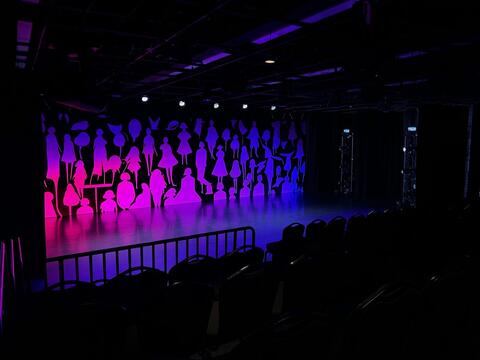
(24, 31)
(411, 54)
(22, 48)
(276, 34)
(323, 72)
(215, 57)
(190, 67)
(175, 73)
(406, 82)
(154, 78)
(334, 10)
(272, 83)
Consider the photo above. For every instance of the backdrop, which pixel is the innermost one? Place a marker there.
(99, 164)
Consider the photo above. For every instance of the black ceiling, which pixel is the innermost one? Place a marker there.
(108, 53)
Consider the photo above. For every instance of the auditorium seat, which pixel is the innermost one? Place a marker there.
(245, 301)
(292, 243)
(196, 268)
(314, 235)
(137, 288)
(239, 258)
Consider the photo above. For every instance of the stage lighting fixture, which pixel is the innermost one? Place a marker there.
(245, 106)
(273, 107)
(144, 98)
(181, 103)
(216, 105)
(269, 61)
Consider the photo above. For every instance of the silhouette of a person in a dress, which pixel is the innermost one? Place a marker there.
(220, 169)
(184, 148)
(168, 160)
(149, 150)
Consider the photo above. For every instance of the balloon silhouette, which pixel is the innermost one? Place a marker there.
(134, 128)
(82, 140)
(226, 137)
(172, 125)
(114, 164)
(119, 141)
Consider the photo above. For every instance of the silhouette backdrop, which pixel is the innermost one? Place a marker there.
(103, 165)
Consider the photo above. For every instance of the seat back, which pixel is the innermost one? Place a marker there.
(315, 230)
(293, 232)
(239, 258)
(196, 268)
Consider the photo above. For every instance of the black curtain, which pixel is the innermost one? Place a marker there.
(378, 142)
(442, 145)
(378, 156)
(474, 179)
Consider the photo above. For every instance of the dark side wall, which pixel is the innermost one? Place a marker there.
(442, 141)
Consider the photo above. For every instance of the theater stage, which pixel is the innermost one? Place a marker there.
(267, 216)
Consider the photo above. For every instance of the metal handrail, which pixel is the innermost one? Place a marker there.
(237, 242)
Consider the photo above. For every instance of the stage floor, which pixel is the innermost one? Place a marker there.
(268, 216)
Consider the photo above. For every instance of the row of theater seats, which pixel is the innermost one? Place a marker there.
(397, 284)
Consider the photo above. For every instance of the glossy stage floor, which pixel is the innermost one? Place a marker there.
(267, 216)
